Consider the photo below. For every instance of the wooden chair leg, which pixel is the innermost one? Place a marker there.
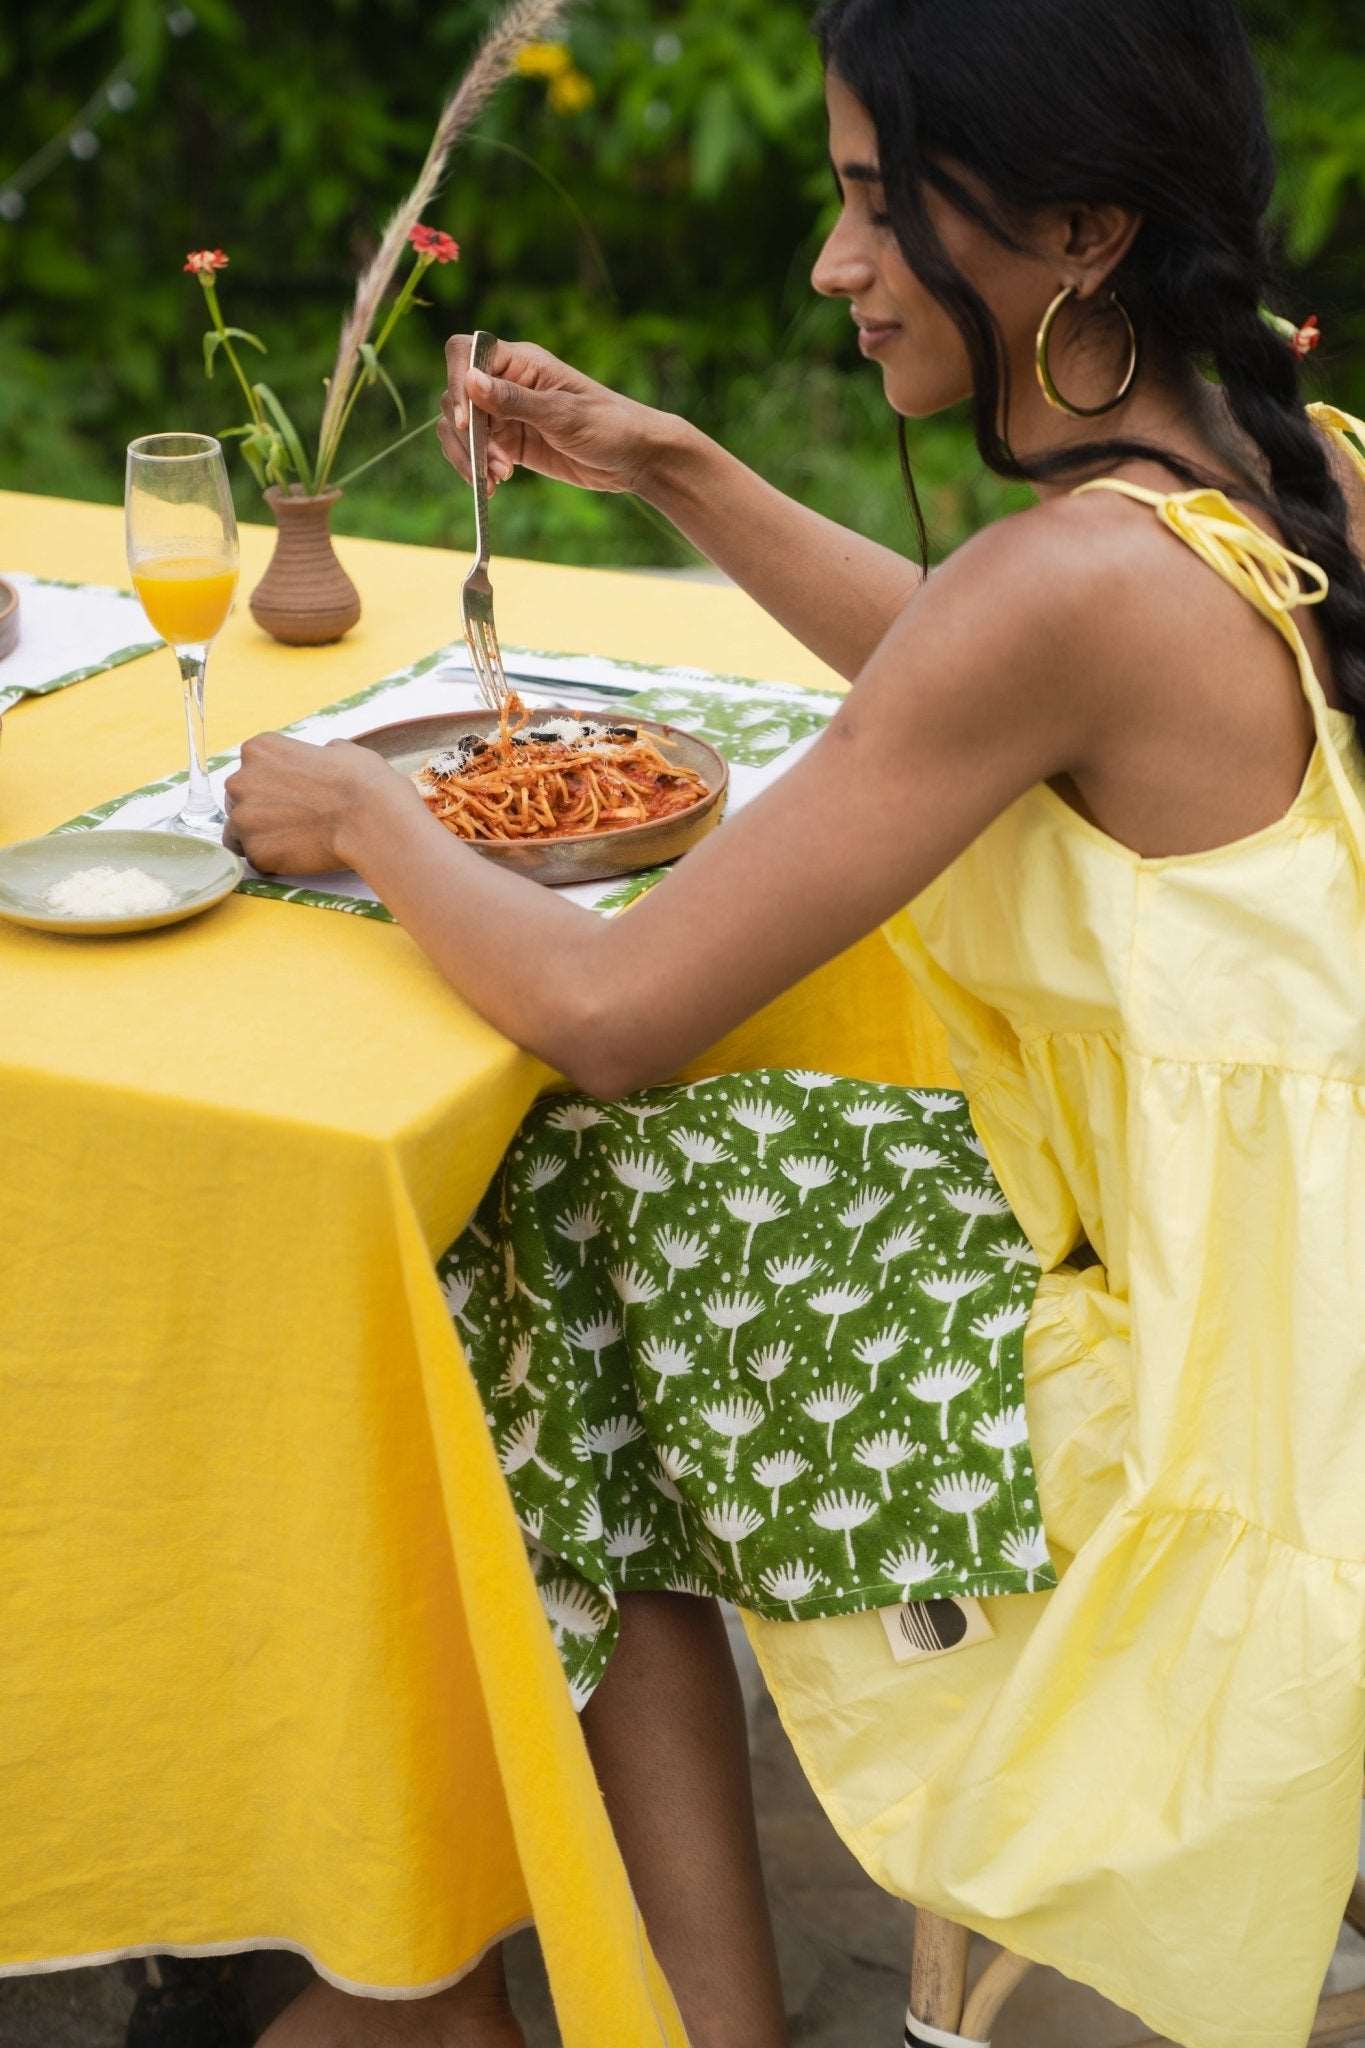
(940, 2009)
(998, 1981)
(938, 1974)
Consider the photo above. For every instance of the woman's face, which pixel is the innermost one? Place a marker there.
(924, 363)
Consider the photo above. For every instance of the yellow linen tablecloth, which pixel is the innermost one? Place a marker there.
(274, 1669)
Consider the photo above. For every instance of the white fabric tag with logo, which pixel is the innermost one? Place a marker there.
(931, 1628)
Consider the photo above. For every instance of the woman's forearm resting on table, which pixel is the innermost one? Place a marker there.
(515, 953)
(838, 593)
(526, 960)
(595, 998)
(613, 1004)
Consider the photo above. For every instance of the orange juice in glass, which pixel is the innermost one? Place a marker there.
(188, 598)
(182, 552)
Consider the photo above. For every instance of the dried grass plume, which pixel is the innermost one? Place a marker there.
(525, 21)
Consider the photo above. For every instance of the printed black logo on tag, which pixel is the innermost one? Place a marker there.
(933, 1625)
(931, 1628)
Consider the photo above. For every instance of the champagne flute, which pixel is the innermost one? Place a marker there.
(182, 551)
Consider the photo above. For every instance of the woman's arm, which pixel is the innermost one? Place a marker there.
(984, 687)
(838, 593)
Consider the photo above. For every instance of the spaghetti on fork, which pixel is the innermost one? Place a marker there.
(556, 780)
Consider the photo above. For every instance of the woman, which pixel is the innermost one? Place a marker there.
(1129, 826)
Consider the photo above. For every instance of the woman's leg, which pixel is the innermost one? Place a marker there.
(670, 1745)
(474, 2013)
(668, 1738)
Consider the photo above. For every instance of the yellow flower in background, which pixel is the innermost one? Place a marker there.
(571, 92)
(569, 89)
(544, 60)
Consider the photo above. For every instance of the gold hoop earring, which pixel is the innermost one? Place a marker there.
(1045, 377)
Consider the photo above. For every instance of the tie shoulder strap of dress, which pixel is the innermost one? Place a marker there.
(1272, 577)
(1269, 575)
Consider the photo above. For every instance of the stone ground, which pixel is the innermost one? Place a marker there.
(844, 1949)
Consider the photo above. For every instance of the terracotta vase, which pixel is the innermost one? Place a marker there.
(305, 597)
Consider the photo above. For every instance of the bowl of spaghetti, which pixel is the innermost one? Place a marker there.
(561, 795)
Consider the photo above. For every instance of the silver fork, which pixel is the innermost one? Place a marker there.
(476, 595)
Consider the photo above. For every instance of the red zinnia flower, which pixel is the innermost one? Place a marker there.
(1307, 337)
(432, 242)
(202, 261)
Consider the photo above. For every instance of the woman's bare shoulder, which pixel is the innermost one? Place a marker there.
(1073, 549)
(1096, 580)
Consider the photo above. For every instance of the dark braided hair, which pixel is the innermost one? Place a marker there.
(1154, 105)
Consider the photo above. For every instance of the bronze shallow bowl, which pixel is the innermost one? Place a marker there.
(587, 856)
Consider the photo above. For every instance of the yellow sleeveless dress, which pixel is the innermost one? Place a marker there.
(1151, 1776)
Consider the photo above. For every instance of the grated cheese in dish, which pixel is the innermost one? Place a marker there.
(108, 892)
(573, 731)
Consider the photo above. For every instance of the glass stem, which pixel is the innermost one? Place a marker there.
(200, 800)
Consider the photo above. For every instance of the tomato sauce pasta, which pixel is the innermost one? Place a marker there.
(556, 780)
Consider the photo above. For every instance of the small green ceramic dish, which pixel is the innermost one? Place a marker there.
(197, 872)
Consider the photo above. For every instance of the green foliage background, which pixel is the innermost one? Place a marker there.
(661, 239)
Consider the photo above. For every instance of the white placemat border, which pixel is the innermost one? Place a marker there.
(123, 614)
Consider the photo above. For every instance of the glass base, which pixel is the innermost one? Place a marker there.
(200, 824)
